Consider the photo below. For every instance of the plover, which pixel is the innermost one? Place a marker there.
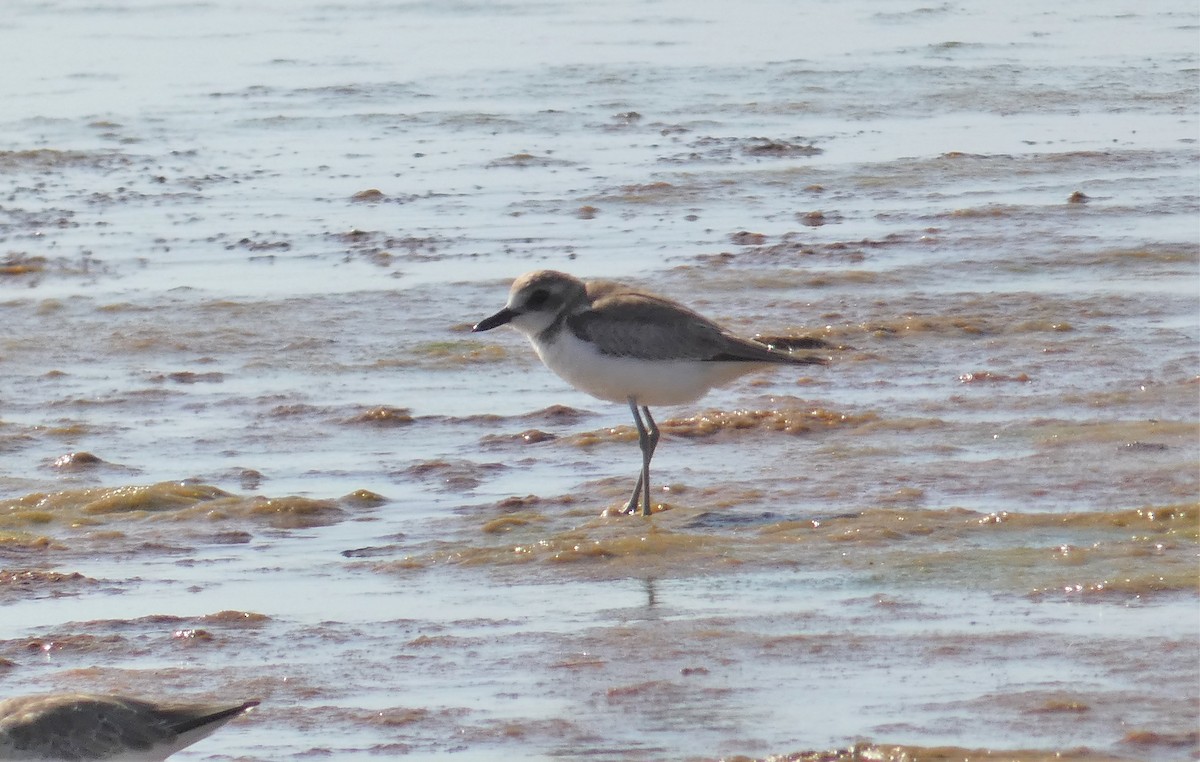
(78, 726)
(625, 345)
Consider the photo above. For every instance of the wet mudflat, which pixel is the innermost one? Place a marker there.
(249, 447)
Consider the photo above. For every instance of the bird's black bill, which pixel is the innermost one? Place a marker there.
(495, 321)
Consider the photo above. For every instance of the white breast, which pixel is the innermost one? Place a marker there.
(649, 382)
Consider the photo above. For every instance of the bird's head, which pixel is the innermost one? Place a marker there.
(535, 301)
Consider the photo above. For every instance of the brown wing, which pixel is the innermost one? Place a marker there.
(80, 726)
(627, 323)
(83, 727)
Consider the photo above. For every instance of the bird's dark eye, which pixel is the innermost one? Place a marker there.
(537, 299)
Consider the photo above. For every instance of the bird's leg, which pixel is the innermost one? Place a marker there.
(632, 506)
(647, 441)
(647, 454)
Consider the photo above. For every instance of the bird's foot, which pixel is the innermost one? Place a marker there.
(629, 509)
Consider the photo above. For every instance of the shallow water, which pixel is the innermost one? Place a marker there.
(249, 447)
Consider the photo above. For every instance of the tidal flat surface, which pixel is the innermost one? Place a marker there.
(249, 447)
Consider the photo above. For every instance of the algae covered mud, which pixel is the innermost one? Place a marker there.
(249, 447)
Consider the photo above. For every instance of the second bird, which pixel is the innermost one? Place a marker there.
(625, 345)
